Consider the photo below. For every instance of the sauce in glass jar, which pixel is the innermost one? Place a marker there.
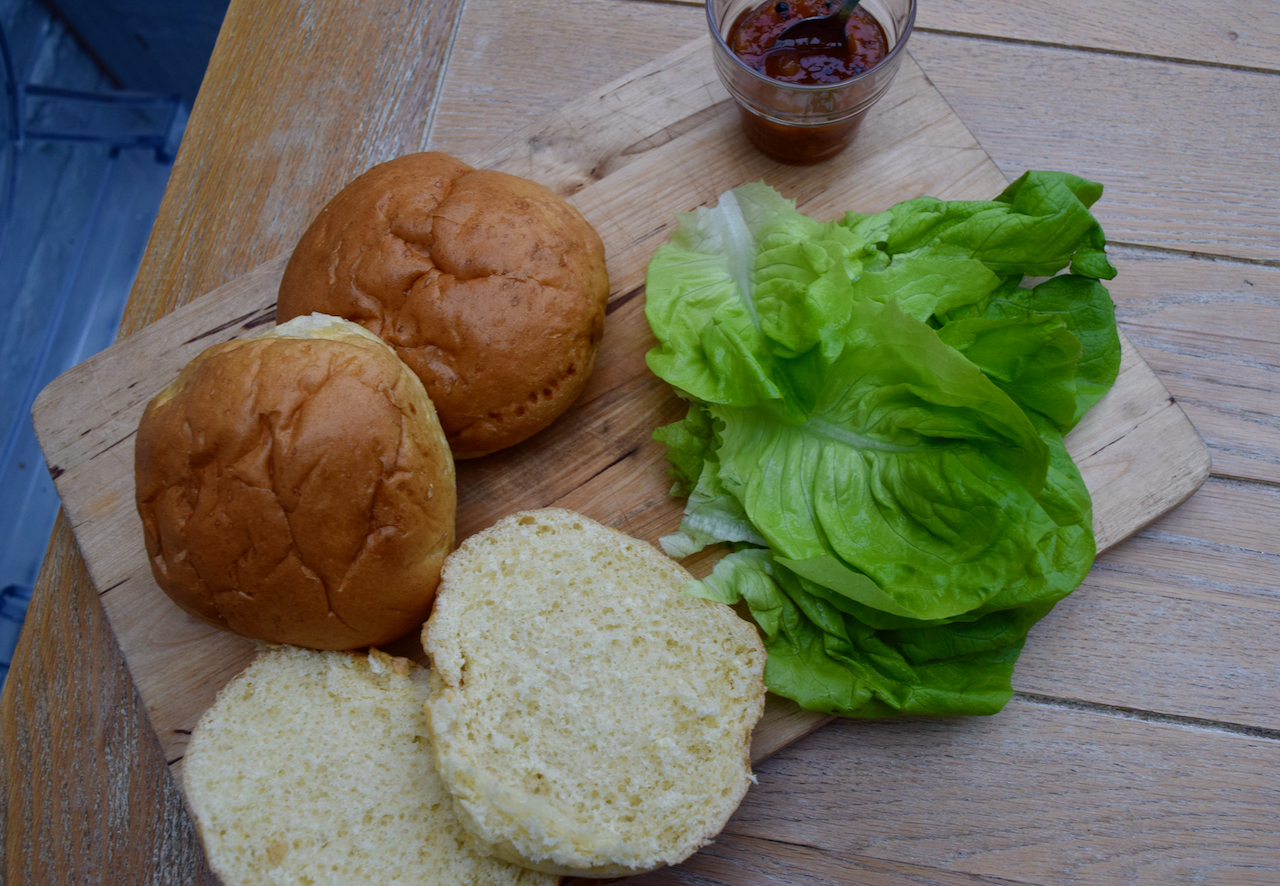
(756, 31)
(752, 39)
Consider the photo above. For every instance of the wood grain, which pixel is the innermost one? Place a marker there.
(609, 39)
(86, 795)
(1084, 796)
(1192, 600)
(1139, 126)
(1234, 33)
(1237, 33)
(1211, 330)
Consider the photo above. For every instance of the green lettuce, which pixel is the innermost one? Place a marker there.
(876, 416)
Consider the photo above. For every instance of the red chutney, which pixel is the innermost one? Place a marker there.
(755, 31)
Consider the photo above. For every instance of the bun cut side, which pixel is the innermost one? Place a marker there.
(588, 717)
(296, 487)
(489, 286)
(313, 767)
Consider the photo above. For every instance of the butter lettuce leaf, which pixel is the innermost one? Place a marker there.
(747, 294)
(827, 659)
(876, 421)
(1036, 227)
(1053, 347)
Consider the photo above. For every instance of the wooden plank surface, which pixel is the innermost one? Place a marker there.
(1238, 33)
(1084, 795)
(1192, 603)
(87, 795)
(1125, 120)
(1211, 330)
(678, 145)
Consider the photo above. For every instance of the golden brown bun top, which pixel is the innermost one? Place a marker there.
(296, 487)
(489, 286)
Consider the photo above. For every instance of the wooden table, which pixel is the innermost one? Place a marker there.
(1143, 744)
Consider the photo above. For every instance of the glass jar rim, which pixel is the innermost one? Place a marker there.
(898, 47)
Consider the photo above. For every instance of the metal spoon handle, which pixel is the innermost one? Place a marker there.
(846, 9)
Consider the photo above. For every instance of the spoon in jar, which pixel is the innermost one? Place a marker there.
(819, 32)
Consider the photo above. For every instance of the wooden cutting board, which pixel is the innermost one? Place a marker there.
(630, 156)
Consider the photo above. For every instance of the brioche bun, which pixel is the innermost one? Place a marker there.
(489, 286)
(587, 716)
(296, 487)
(313, 767)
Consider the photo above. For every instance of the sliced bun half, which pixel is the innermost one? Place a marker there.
(587, 716)
(314, 767)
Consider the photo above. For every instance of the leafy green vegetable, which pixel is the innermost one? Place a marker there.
(876, 421)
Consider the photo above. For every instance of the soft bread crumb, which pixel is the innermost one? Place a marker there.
(587, 716)
(314, 767)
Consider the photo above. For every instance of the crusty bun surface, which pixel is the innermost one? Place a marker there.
(314, 767)
(296, 487)
(491, 287)
(587, 716)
